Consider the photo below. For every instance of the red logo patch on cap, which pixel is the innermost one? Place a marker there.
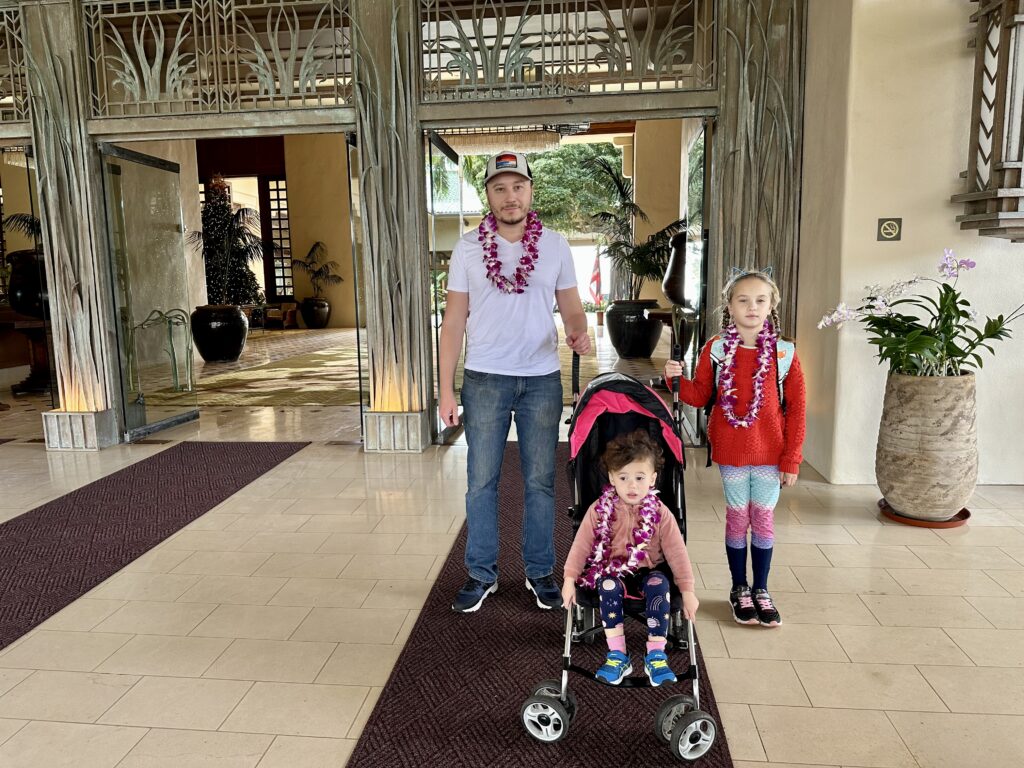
(505, 161)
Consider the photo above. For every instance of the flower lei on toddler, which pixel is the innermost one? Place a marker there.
(766, 341)
(600, 562)
(487, 235)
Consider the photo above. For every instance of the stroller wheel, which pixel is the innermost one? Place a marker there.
(545, 718)
(692, 736)
(673, 708)
(553, 688)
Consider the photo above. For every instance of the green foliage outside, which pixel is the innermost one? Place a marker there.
(566, 192)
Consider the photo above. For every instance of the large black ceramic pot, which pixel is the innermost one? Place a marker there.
(27, 286)
(220, 331)
(631, 333)
(315, 312)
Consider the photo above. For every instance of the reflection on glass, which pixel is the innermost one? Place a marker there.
(445, 225)
(356, 212)
(24, 313)
(150, 294)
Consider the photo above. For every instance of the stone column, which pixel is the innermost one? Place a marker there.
(758, 144)
(391, 187)
(71, 210)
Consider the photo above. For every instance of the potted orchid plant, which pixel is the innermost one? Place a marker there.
(926, 459)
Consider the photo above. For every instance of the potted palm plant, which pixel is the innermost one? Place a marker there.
(316, 310)
(631, 332)
(926, 459)
(229, 241)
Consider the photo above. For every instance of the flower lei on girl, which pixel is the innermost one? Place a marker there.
(487, 236)
(766, 341)
(600, 562)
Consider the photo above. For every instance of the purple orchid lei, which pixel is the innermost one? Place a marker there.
(487, 236)
(600, 562)
(766, 339)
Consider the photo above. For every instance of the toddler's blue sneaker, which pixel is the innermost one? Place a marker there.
(615, 667)
(657, 668)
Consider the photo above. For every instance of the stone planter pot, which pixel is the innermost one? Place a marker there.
(631, 333)
(926, 462)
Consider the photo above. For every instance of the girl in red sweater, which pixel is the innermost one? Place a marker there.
(755, 441)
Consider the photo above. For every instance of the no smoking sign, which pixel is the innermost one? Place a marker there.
(890, 229)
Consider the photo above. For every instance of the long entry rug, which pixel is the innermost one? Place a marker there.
(55, 553)
(454, 696)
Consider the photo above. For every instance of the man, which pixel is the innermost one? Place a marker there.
(503, 281)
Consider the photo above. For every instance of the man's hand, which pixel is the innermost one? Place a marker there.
(449, 409)
(578, 342)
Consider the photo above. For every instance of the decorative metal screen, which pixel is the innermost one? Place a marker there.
(13, 86)
(994, 202)
(487, 49)
(165, 57)
(281, 237)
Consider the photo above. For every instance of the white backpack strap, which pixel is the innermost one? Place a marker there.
(717, 356)
(783, 362)
(787, 351)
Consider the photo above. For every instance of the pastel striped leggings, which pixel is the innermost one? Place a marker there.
(751, 494)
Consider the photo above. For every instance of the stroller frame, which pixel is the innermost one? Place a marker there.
(679, 722)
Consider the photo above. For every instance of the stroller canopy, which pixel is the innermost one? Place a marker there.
(619, 393)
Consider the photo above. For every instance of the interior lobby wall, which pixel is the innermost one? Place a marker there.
(906, 117)
(821, 219)
(657, 166)
(318, 209)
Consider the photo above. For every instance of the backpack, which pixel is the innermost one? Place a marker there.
(785, 351)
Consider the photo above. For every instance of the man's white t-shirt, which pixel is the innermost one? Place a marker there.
(512, 333)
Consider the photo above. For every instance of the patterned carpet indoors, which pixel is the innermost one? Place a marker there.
(325, 377)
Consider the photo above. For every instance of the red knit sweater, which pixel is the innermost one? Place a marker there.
(772, 439)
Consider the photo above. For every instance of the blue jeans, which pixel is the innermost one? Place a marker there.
(488, 403)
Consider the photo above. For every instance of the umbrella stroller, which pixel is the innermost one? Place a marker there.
(615, 404)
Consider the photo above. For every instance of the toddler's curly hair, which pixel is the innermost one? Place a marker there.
(633, 446)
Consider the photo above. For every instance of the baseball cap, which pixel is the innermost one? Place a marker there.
(508, 162)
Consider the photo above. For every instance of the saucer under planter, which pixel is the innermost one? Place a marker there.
(315, 312)
(631, 332)
(960, 518)
(219, 331)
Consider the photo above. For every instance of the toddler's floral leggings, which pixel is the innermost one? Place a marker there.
(656, 593)
(751, 494)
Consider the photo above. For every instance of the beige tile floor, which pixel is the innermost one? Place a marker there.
(261, 634)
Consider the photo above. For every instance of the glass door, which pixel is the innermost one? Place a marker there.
(698, 255)
(150, 290)
(355, 219)
(444, 228)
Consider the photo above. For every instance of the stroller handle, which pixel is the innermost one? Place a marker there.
(575, 378)
(575, 384)
(677, 355)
